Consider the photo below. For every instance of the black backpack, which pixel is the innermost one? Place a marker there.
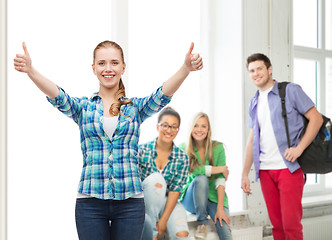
(317, 157)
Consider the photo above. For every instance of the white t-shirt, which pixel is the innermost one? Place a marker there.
(270, 157)
(110, 125)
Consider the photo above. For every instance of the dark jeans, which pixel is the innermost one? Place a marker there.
(93, 216)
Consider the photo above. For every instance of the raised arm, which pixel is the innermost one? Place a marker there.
(192, 62)
(22, 63)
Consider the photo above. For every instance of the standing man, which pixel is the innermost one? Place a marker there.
(276, 165)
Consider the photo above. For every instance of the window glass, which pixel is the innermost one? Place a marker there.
(328, 24)
(305, 72)
(328, 103)
(328, 89)
(305, 23)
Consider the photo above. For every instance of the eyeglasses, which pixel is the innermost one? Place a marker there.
(165, 126)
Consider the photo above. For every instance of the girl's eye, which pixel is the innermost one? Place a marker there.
(115, 63)
(101, 63)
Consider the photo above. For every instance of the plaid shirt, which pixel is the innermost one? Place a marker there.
(176, 170)
(110, 166)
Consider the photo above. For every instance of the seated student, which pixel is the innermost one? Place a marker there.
(204, 193)
(164, 170)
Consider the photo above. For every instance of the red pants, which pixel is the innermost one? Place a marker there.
(282, 191)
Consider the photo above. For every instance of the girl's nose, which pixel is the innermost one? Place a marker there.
(108, 67)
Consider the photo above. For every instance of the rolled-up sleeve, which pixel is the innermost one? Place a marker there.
(71, 107)
(152, 104)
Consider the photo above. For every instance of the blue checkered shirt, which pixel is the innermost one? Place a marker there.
(110, 166)
(176, 170)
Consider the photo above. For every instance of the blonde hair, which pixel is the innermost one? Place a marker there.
(190, 148)
(120, 95)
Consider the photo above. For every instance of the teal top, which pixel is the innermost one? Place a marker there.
(219, 159)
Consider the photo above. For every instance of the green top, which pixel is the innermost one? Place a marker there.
(219, 159)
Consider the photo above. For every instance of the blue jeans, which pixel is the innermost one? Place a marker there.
(93, 218)
(196, 201)
(155, 200)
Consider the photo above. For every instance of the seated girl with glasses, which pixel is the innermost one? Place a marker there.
(164, 169)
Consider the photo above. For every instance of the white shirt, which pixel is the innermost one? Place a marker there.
(270, 157)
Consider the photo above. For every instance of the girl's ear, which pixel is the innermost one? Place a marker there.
(93, 68)
(123, 69)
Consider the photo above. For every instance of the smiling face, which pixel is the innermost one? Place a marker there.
(200, 130)
(108, 66)
(168, 128)
(260, 75)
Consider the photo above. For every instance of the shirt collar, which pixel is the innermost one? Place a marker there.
(95, 96)
(274, 90)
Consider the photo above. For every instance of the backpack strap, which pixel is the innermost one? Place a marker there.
(282, 94)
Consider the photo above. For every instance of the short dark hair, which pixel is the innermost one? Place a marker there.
(169, 111)
(259, 57)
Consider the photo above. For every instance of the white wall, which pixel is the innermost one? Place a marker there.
(221, 84)
(3, 120)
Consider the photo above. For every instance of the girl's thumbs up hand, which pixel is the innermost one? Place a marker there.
(22, 62)
(193, 61)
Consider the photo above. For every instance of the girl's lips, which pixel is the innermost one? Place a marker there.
(168, 136)
(198, 134)
(108, 76)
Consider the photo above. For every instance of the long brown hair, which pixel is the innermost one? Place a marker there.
(190, 148)
(120, 95)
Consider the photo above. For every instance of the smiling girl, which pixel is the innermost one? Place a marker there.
(204, 194)
(164, 170)
(109, 188)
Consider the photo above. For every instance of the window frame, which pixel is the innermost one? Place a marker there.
(319, 55)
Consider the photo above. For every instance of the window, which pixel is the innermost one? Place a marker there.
(313, 64)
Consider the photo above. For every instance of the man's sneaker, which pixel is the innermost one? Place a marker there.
(201, 231)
